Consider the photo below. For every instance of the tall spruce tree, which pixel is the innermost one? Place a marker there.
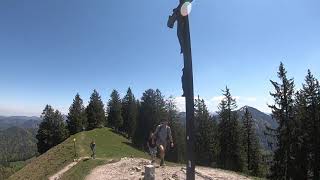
(311, 92)
(178, 152)
(77, 117)
(151, 111)
(251, 144)
(231, 150)
(300, 137)
(95, 112)
(160, 104)
(52, 129)
(114, 111)
(316, 142)
(138, 134)
(206, 135)
(129, 113)
(282, 112)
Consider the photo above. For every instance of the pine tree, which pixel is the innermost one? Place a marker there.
(129, 113)
(52, 130)
(77, 118)
(151, 111)
(300, 138)
(251, 144)
(282, 111)
(231, 150)
(138, 134)
(178, 152)
(114, 111)
(311, 92)
(95, 112)
(160, 106)
(206, 135)
(316, 144)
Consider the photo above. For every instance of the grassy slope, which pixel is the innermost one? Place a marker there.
(108, 145)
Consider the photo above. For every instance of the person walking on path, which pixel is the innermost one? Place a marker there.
(93, 149)
(152, 145)
(163, 135)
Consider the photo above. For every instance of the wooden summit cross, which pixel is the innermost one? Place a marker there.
(180, 15)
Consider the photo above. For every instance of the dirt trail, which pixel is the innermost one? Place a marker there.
(59, 174)
(133, 168)
(81, 148)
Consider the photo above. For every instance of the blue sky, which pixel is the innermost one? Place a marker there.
(50, 50)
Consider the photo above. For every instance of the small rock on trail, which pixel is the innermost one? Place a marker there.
(133, 169)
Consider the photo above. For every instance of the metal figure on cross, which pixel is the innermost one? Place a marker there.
(177, 17)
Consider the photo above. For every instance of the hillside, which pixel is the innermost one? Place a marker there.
(111, 148)
(109, 145)
(261, 120)
(17, 144)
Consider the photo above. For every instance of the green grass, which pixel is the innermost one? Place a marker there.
(48, 163)
(108, 146)
(16, 166)
(6, 172)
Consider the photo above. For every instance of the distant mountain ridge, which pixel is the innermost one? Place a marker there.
(19, 121)
(260, 118)
(257, 114)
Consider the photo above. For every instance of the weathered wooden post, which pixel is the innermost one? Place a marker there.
(149, 172)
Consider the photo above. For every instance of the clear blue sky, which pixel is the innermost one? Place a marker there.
(50, 50)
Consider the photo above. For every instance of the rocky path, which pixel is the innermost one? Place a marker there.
(133, 169)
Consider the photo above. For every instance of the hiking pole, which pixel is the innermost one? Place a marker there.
(181, 16)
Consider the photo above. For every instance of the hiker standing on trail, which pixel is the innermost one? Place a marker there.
(163, 135)
(152, 145)
(93, 149)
